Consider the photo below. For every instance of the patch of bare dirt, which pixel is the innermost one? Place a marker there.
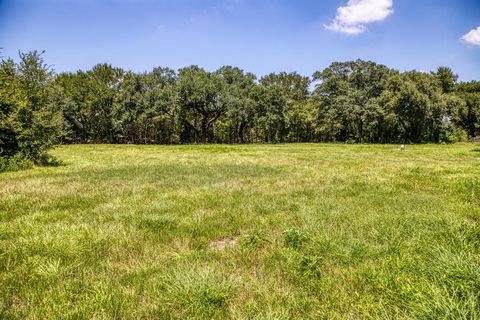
(227, 243)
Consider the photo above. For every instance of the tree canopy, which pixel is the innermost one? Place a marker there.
(354, 101)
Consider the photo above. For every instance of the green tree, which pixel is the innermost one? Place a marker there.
(355, 101)
(446, 78)
(343, 94)
(469, 116)
(10, 97)
(200, 101)
(105, 82)
(74, 96)
(240, 105)
(298, 117)
(270, 123)
(30, 123)
(145, 108)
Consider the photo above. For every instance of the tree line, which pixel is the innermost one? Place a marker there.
(355, 101)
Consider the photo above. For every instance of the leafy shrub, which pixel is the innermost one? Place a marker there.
(14, 163)
(453, 134)
(29, 124)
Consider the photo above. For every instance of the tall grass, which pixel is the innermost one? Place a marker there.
(303, 231)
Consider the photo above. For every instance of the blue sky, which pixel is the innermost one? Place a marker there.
(260, 36)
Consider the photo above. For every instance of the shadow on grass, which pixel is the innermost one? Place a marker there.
(51, 162)
(19, 163)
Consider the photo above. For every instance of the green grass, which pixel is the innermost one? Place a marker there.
(301, 231)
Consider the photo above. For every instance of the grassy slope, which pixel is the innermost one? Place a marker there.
(332, 231)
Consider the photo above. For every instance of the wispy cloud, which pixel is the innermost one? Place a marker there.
(353, 17)
(473, 37)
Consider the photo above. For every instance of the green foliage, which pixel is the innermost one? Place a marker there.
(253, 240)
(354, 102)
(294, 238)
(16, 162)
(468, 117)
(200, 98)
(29, 121)
(446, 78)
(346, 95)
(452, 134)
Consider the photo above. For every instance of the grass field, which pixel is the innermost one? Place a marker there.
(301, 231)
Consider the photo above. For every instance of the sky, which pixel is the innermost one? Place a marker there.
(259, 36)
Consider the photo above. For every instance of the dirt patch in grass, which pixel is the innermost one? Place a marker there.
(226, 243)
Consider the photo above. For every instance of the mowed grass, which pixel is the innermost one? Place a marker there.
(300, 231)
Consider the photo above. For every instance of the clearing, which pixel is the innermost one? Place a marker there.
(291, 231)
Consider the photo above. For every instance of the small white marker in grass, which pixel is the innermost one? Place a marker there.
(402, 147)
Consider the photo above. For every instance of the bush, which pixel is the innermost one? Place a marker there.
(453, 134)
(15, 163)
(29, 123)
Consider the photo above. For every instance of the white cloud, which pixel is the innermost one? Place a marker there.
(352, 18)
(473, 37)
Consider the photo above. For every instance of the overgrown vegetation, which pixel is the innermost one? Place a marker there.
(297, 231)
(238, 232)
(356, 101)
(30, 121)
